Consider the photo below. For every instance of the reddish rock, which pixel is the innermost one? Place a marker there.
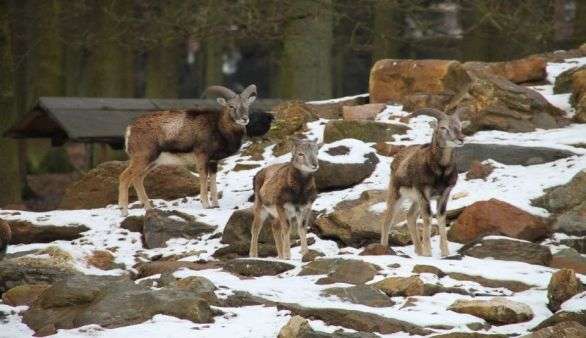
(376, 249)
(563, 285)
(479, 170)
(362, 112)
(394, 80)
(25, 294)
(518, 71)
(494, 217)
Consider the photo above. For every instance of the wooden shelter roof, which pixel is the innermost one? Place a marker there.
(98, 120)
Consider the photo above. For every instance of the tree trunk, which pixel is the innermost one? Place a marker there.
(306, 67)
(9, 171)
(162, 71)
(387, 30)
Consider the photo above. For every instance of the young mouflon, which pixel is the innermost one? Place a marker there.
(422, 173)
(286, 192)
(199, 136)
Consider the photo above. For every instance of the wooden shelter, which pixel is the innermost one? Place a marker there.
(98, 120)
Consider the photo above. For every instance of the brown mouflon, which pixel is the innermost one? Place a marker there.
(178, 137)
(286, 192)
(422, 173)
(5, 236)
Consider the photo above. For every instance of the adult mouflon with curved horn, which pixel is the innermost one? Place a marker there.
(199, 136)
(421, 173)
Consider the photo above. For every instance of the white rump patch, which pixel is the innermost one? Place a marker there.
(175, 159)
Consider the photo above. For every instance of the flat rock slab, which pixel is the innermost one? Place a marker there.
(361, 294)
(25, 232)
(497, 311)
(339, 270)
(257, 267)
(406, 287)
(365, 131)
(356, 320)
(506, 154)
(509, 250)
(160, 226)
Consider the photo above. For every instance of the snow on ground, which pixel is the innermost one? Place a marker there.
(514, 184)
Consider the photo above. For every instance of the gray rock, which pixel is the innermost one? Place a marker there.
(333, 176)
(25, 232)
(159, 227)
(257, 267)
(506, 154)
(361, 294)
(238, 227)
(366, 131)
(509, 250)
(340, 270)
(562, 330)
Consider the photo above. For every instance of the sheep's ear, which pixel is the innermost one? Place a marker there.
(465, 124)
(251, 99)
(433, 124)
(221, 101)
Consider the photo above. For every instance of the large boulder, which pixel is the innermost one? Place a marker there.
(406, 287)
(567, 203)
(494, 217)
(564, 318)
(357, 222)
(508, 250)
(563, 82)
(568, 329)
(578, 86)
(160, 226)
(99, 186)
(339, 270)
(506, 154)
(497, 311)
(563, 285)
(365, 131)
(25, 232)
(394, 80)
(360, 294)
(524, 70)
(496, 103)
(356, 320)
(344, 164)
(110, 302)
(238, 229)
(569, 259)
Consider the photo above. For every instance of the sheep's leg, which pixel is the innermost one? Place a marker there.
(425, 209)
(285, 232)
(135, 167)
(202, 170)
(140, 190)
(213, 169)
(278, 238)
(412, 215)
(302, 225)
(393, 206)
(442, 204)
(259, 217)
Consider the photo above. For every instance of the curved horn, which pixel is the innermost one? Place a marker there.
(249, 91)
(221, 91)
(438, 114)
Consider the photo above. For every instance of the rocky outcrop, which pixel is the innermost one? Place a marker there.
(25, 232)
(563, 317)
(567, 203)
(569, 329)
(340, 270)
(99, 186)
(357, 222)
(256, 267)
(509, 250)
(494, 217)
(569, 259)
(495, 103)
(361, 294)
(394, 80)
(336, 173)
(530, 69)
(506, 154)
(160, 226)
(365, 131)
(563, 82)
(563, 285)
(497, 311)
(356, 320)
(109, 302)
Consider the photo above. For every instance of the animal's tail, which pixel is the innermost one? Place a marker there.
(259, 123)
